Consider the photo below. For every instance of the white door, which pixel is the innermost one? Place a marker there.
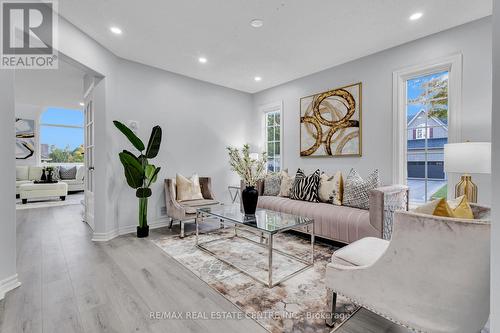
(89, 156)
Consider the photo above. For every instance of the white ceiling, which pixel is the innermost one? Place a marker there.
(57, 88)
(298, 37)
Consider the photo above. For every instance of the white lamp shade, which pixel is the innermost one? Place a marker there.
(467, 157)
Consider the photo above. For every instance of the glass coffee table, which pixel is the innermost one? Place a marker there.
(265, 224)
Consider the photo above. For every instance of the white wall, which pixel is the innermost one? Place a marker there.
(8, 277)
(198, 120)
(473, 40)
(495, 235)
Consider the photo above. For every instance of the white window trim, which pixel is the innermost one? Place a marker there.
(452, 64)
(272, 107)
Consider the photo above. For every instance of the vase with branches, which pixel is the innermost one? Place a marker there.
(250, 170)
(140, 174)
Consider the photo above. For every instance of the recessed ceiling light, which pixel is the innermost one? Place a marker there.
(257, 78)
(416, 16)
(82, 104)
(116, 30)
(257, 23)
(202, 60)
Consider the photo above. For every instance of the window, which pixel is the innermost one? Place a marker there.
(61, 136)
(272, 135)
(427, 115)
(427, 128)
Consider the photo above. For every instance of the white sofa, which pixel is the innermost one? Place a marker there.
(27, 174)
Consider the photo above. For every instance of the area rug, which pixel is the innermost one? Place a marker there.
(296, 305)
(71, 199)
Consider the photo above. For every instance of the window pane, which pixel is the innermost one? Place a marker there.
(277, 133)
(277, 165)
(270, 149)
(427, 133)
(270, 133)
(270, 119)
(270, 165)
(61, 144)
(62, 117)
(277, 117)
(277, 148)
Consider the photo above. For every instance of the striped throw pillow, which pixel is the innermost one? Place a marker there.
(305, 188)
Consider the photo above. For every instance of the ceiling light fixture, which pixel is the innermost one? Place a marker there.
(257, 78)
(116, 30)
(82, 104)
(257, 23)
(202, 60)
(416, 16)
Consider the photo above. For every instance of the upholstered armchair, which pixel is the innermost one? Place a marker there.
(185, 211)
(432, 276)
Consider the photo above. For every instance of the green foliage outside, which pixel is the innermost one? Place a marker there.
(66, 155)
(441, 193)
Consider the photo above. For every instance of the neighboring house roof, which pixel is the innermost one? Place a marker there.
(442, 122)
(431, 143)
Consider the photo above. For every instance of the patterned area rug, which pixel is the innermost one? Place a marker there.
(296, 305)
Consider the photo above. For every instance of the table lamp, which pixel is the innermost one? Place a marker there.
(467, 158)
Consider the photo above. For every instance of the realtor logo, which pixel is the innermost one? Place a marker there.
(28, 35)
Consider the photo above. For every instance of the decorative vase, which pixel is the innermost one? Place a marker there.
(44, 176)
(143, 228)
(49, 176)
(249, 197)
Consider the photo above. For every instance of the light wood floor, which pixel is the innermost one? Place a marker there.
(71, 284)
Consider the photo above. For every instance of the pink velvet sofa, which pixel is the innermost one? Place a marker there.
(341, 223)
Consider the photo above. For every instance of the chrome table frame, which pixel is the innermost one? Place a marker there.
(269, 245)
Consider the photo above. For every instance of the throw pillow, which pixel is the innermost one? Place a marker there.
(188, 189)
(22, 172)
(35, 173)
(330, 188)
(56, 175)
(272, 183)
(286, 185)
(305, 187)
(457, 208)
(357, 190)
(67, 173)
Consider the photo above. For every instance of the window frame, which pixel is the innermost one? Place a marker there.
(452, 64)
(41, 124)
(264, 111)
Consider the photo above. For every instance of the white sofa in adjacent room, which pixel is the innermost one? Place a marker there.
(27, 174)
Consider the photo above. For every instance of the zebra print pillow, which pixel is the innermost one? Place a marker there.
(305, 187)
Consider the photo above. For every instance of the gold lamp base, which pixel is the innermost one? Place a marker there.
(466, 187)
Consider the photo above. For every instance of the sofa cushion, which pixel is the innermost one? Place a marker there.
(191, 205)
(286, 184)
(305, 187)
(363, 252)
(22, 172)
(67, 173)
(272, 183)
(344, 224)
(80, 173)
(330, 188)
(188, 189)
(357, 190)
(35, 173)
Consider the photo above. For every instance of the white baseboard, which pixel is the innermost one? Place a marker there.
(8, 284)
(104, 237)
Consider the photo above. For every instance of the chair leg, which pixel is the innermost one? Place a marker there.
(171, 222)
(331, 303)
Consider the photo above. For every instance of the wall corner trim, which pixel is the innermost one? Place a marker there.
(8, 284)
(107, 236)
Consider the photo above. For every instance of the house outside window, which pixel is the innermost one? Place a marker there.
(427, 133)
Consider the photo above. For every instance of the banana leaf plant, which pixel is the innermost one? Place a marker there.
(140, 174)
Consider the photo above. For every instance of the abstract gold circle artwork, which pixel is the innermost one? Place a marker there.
(330, 123)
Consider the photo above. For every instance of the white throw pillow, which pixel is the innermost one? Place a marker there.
(188, 189)
(330, 188)
(22, 172)
(35, 173)
(286, 184)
